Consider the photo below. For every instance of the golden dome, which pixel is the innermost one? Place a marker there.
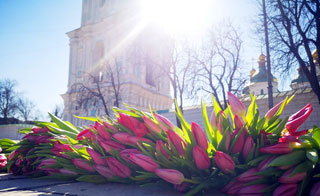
(315, 56)
(253, 71)
(262, 57)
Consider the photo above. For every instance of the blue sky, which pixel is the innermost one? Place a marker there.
(34, 47)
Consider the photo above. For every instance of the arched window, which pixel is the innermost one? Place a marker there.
(98, 52)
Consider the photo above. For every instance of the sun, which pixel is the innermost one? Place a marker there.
(177, 16)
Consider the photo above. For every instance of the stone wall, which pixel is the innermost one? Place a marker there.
(302, 98)
(11, 131)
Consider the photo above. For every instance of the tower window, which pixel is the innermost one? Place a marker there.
(261, 92)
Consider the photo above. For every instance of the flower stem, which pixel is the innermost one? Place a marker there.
(191, 181)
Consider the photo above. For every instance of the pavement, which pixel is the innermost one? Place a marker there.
(11, 185)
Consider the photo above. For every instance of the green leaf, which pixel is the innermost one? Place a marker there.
(316, 134)
(62, 132)
(302, 167)
(281, 126)
(310, 139)
(289, 159)
(185, 126)
(207, 126)
(251, 109)
(86, 118)
(62, 124)
(216, 105)
(312, 155)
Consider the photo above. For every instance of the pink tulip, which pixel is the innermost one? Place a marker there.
(107, 145)
(43, 139)
(286, 190)
(40, 129)
(151, 124)
(249, 175)
(177, 142)
(58, 148)
(13, 154)
(200, 158)
(236, 105)
(82, 165)
(0, 149)
(238, 145)
(315, 191)
(3, 158)
(112, 128)
(121, 137)
(47, 162)
(170, 175)
(265, 163)
(221, 116)
(102, 131)
(104, 171)
(86, 134)
(164, 123)
(144, 161)
(183, 187)
(3, 164)
(273, 111)
(227, 141)
(213, 120)
(160, 146)
(234, 189)
(134, 140)
(297, 119)
(237, 122)
(286, 178)
(199, 136)
(280, 148)
(224, 162)
(254, 190)
(30, 137)
(138, 128)
(125, 154)
(96, 157)
(118, 168)
(66, 171)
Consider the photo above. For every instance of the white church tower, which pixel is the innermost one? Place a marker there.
(115, 45)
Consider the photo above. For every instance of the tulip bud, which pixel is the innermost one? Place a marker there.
(112, 128)
(286, 190)
(96, 157)
(40, 130)
(273, 111)
(3, 158)
(221, 116)
(138, 128)
(151, 124)
(177, 142)
(213, 120)
(236, 105)
(265, 163)
(121, 137)
(237, 122)
(86, 134)
(82, 165)
(102, 131)
(286, 178)
(134, 140)
(170, 175)
(124, 154)
(13, 154)
(199, 136)
(66, 171)
(144, 161)
(238, 145)
(200, 158)
(164, 123)
(224, 162)
(297, 119)
(160, 146)
(104, 171)
(249, 175)
(315, 191)
(108, 145)
(233, 190)
(280, 148)
(256, 189)
(118, 168)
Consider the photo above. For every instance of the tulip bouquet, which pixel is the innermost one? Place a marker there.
(5, 148)
(238, 152)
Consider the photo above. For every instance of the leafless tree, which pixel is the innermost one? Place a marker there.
(8, 99)
(295, 33)
(100, 87)
(26, 109)
(219, 63)
(58, 111)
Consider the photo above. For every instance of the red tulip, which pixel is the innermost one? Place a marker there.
(3, 164)
(47, 162)
(213, 120)
(138, 128)
(13, 154)
(82, 165)
(96, 157)
(160, 146)
(237, 122)
(164, 123)
(118, 168)
(254, 190)
(286, 190)
(144, 161)
(286, 178)
(177, 142)
(66, 171)
(273, 111)
(296, 120)
(3, 158)
(102, 131)
(107, 145)
(112, 128)
(199, 136)
(249, 175)
(200, 158)
(236, 105)
(124, 154)
(58, 148)
(134, 140)
(151, 124)
(280, 148)
(289, 138)
(170, 175)
(224, 162)
(104, 171)
(234, 189)
(238, 145)
(121, 137)
(40, 129)
(221, 116)
(315, 191)
(86, 134)
(265, 163)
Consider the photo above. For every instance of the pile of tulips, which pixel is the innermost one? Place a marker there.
(238, 152)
